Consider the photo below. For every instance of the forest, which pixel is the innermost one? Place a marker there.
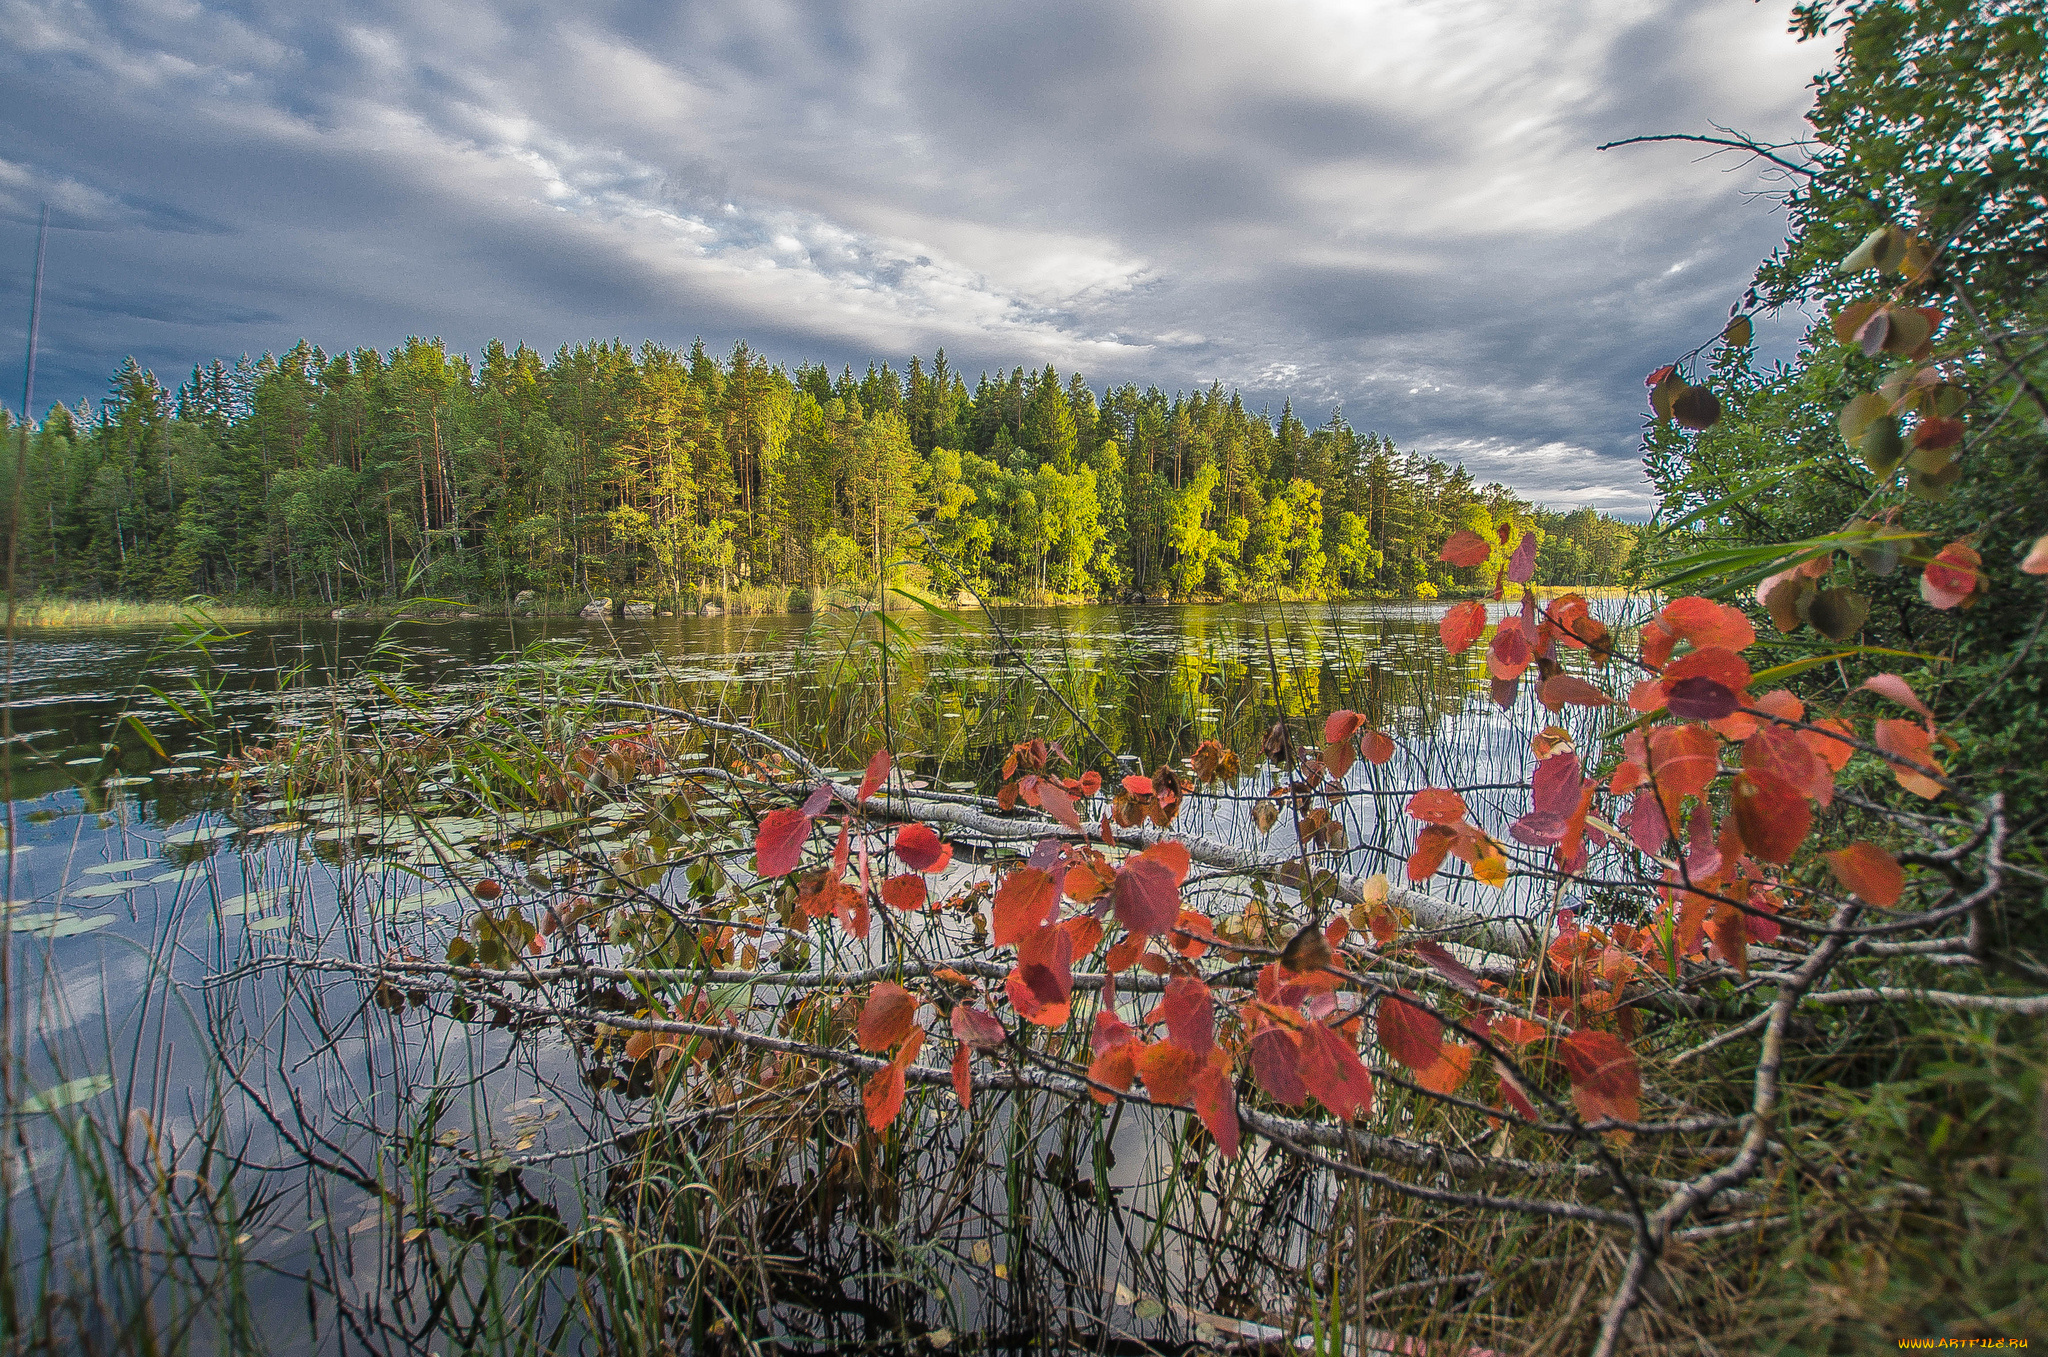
(324, 479)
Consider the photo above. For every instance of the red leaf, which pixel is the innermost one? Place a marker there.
(1562, 690)
(919, 849)
(1041, 987)
(1606, 1082)
(876, 775)
(1446, 965)
(1683, 760)
(1341, 725)
(1024, 902)
(1952, 576)
(1466, 547)
(1058, 804)
(1868, 872)
(1660, 374)
(1406, 1033)
(1146, 896)
(1331, 1070)
(1086, 931)
(1276, 1064)
(1170, 854)
(1707, 623)
(1190, 1015)
(1431, 845)
(1509, 654)
(1462, 625)
(885, 1018)
(905, 892)
(1137, 784)
(1376, 747)
(1216, 1105)
(963, 1076)
(1450, 1070)
(1773, 817)
(1718, 663)
(779, 841)
(1437, 806)
(1781, 752)
(978, 1029)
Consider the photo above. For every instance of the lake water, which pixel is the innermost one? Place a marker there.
(151, 906)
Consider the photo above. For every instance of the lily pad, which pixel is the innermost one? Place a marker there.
(185, 838)
(104, 889)
(270, 925)
(65, 1094)
(124, 865)
(28, 923)
(254, 902)
(74, 925)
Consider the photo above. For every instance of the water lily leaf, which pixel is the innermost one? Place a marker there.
(104, 889)
(66, 1094)
(124, 865)
(74, 925)
(199, 834)
(273, 923)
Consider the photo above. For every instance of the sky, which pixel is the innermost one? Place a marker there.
(1392, 206)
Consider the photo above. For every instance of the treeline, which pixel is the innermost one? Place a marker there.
(652, 473)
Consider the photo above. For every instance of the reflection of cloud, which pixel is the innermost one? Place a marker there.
(1394, 205)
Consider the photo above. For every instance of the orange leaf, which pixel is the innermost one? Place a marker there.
(885, 1018)
(1171, 855)
(1728, 929)
(1376, 747)
(1216, 1105)
(1835, 753)
(919, 849)
(1431, 846)
(905, 892)
(876, 775)
(1042, 985)
(1707, 623)
(1462, 625)
(884, 1093)
(1168, 1071)
(1085, 931)
(1868, 872)
(1465, 548)
(1437, 805)
(963, 1076)
(1023, 903)
(1899, 691)
(1116, 1067)
(1125, 953)
(1908, 741)
(1448, 1073)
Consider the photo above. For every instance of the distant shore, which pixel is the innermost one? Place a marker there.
(47, 613)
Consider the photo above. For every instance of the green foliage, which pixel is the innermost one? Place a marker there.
(609, 470)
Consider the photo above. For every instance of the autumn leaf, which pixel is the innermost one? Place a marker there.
(1706, 623)
(1190, 1015)
(883, 1096)
(1869, 873)
(981, 1030)
(1437, 806)
(1432, 845)
(1168, 1071)
(1406, 1033)
(1449, 967)
(1307, 951)
(1606, 1081)
(1899, 691)
(1683, 760)
(885, 1018)
(1041, 986)
(779, 841)
(905, 892)
(1024, 902)
(1330, 1069)
(1376, 747)
(1146, 896)
(1911, 748)
(877, 773)
(1465, 548)
(1569, 690)
(1276, 1061)
(1463, 624)
(1216, 1105)
(1773, 817)
(1340, 747)
(1952, 576)
(2036, 562)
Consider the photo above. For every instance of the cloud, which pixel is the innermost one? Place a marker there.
(1392, 206)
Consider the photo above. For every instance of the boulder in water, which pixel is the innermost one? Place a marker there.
(639, 611)
(597, 610)
(711, 610)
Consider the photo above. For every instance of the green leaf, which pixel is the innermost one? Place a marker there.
(66, 1094)
(926, 604)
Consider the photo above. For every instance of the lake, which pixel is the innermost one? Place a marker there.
(157, 907)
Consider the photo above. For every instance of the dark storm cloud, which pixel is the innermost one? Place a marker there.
(1392, 206)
